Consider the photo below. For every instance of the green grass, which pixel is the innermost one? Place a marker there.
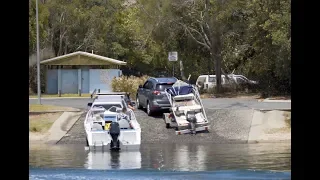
(41, 123)
(62, 95)
(43, 108)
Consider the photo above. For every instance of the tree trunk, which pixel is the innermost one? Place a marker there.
(182, 71)
(218, 72)
(216, 55)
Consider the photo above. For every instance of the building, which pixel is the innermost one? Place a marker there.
(80, 72)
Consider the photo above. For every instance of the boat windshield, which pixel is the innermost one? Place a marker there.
(106, 106)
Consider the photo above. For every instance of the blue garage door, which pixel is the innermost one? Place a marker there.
(85, 81)
(52, 81)
(69, 81)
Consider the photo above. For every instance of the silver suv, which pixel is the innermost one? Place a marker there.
(151, 94)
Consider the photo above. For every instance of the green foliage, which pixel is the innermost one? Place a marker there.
(252, 37)
(128, 84)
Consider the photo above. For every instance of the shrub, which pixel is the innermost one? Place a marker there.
(128, 84)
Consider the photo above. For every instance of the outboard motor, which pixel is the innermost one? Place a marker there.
(191, 118)
(114, 133)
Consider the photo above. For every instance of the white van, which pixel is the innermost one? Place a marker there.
(208, 81)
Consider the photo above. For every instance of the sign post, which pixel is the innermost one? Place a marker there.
(173, 56)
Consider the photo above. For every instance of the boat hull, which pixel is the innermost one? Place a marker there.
(129, 139)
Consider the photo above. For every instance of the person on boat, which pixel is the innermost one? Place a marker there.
(125, 114)
(129, 103)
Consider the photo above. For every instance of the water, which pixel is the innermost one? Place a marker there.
(163, 161)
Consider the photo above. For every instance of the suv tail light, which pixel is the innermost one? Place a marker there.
(156, 92)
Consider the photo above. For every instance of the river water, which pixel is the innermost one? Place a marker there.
(163, 161)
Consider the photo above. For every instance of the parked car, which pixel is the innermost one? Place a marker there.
(151, 94)
(206, 82)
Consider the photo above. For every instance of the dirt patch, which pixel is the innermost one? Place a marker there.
(232, 95)
(280, 98)
(288, 118)
(278, 130)
(41, 123)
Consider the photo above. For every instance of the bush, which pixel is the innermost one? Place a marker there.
(128, 84)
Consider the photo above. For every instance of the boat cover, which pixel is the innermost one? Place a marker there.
(180, 90)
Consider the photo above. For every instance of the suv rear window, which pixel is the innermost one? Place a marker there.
(162, 87)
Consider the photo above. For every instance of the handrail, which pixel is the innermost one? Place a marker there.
(93, 93)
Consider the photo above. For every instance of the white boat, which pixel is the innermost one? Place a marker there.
(107, 127)
(187, 112)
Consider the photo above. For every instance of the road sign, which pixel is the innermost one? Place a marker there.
(173, 56)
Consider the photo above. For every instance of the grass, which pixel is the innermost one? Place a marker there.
(280, 98)
(288, 118)
(43, 108)
(62, 95)
(41, 123)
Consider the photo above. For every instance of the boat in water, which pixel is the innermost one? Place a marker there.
(110, 124)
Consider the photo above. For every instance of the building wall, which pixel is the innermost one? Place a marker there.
(102, 78)
(71, 80)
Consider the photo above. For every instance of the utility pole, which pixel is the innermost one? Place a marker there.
(38, 55)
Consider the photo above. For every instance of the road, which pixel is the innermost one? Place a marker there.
(213, 103)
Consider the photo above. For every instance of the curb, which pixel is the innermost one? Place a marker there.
(269, 141)
(277, 109)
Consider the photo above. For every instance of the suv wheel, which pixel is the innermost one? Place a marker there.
(138, 103)
(149, 112)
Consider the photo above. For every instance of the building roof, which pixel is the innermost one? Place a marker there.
(82, 58)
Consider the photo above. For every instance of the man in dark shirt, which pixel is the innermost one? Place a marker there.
(127, 99)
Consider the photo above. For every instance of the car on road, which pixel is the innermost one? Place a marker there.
(151, 95)
(206, 82)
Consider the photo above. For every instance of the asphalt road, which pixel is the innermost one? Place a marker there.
(212, 103)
